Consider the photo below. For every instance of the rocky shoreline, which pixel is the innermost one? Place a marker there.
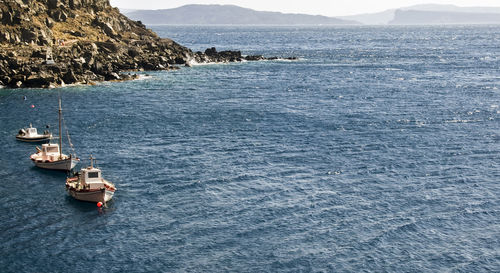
(50, 43)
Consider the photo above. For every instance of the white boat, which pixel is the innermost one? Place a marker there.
(51, 156)
(88, 185)
(30, 134)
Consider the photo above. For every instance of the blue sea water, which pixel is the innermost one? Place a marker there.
(377, 151)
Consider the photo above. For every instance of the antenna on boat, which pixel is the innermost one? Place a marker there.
(60, 129)
(91, 162)
(69, 138)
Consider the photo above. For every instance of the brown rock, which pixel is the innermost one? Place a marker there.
(70, 77)
(54, 4)
(49, 22)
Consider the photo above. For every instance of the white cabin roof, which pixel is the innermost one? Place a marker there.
(91, 175)
(50, 144)
(50, 148)
(90, 169)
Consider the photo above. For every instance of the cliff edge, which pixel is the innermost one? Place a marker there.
(48, 43)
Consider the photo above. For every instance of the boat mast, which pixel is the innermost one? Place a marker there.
(60, 130)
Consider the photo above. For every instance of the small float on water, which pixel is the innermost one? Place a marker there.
(50, 156)
(88, 185)
(31, 134)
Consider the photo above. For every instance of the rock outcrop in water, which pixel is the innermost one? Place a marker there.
(47, 43)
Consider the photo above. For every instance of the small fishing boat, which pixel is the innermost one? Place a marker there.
(88, 185)
(50, 156)
(31, 134)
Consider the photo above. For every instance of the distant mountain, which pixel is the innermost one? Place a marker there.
(436, 14)
(453, 8)
(378, 18)
(417, 17)
(229, 15)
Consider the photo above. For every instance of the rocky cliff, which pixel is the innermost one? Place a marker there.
(45, 43)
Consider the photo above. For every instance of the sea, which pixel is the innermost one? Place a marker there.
(378, 150)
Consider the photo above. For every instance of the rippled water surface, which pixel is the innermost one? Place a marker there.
(377, 151)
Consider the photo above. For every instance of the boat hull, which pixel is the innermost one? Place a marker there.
(62, 165)
(44, 138)
(95, 196)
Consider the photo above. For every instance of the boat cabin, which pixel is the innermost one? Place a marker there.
(31, 131)
(91, 178)
(50, 149)
(49, 152)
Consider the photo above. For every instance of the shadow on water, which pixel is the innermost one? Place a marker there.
(88, 207)
(79, 205)
(59, 175)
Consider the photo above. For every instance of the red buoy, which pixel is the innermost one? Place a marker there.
(99, 204)
(32, 106)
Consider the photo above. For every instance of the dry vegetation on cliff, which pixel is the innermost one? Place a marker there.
(46, 43)
(88, 40)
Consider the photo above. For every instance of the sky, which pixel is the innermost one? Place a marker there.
(315, 7)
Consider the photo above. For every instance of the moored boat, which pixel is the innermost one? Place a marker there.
(31, 134)
(50, 156)
(88, 185)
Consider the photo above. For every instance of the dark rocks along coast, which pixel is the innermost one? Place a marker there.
(49, 43)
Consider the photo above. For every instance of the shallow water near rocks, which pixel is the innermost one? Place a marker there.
(377, 151)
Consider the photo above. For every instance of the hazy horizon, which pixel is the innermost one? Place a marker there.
(313, 7)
